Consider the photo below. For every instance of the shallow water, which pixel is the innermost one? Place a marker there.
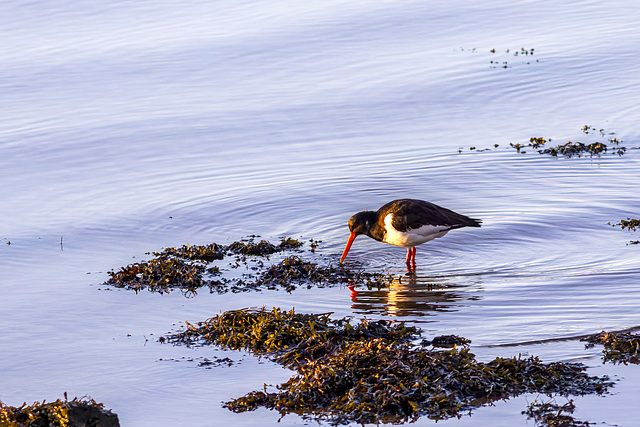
(134, 126)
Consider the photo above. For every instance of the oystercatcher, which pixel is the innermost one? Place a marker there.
(406, 223)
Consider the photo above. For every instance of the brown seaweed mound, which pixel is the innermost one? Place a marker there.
(61, 413)
(276, 331)
(208, 253)
(159, 275)
(377, 381)
(188, 269)
(372, 372)
(293, 270)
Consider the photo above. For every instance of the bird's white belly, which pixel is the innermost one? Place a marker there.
(413, 237)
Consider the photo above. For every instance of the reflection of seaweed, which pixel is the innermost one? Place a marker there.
(618, 347)
(550, 414)
(372, 372)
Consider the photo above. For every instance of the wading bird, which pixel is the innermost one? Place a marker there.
(407, 223)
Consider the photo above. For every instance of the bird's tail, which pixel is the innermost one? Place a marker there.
(473, 222)
(468, 222)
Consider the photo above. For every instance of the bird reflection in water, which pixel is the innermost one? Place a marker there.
(413, 295)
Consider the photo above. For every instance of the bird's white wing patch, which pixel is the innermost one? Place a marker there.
(413, 237)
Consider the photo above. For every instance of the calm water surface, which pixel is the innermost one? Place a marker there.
(132, 126)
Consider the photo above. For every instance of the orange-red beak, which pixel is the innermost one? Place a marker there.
(352, 237)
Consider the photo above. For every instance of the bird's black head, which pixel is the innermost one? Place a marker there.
(362, 222)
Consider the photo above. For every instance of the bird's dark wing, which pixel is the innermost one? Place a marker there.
(409, 214)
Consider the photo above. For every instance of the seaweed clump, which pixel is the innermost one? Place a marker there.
(534, 142)
(571, 149)
(187, 268)
(263, 247)
(182, 268)
(159, 275)
(550, 414)
(447, 341)
(372, 372)
(208, 253)
(293, 269)
(574, 148)
(61, 413)
(504, 64)
(376, 381)
(629, 224)
(272, 331)
(618, 347)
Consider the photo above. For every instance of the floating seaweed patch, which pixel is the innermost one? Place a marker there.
(204, 362)
(372, 372)
(218, 361)
(159, 274)
(293, 270)
(61, 413)
(571, 149)
(629, 224)
(550, 414)
(265, 331)
(188, 269)
(574, 148)
(208, 253)
(537, 142)
(586, 129)
(618, 347)
(314, 244)
(289, 243)
(376, 381)
(498, 58)
(522, 52)
(447, 341)
(263, 247)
